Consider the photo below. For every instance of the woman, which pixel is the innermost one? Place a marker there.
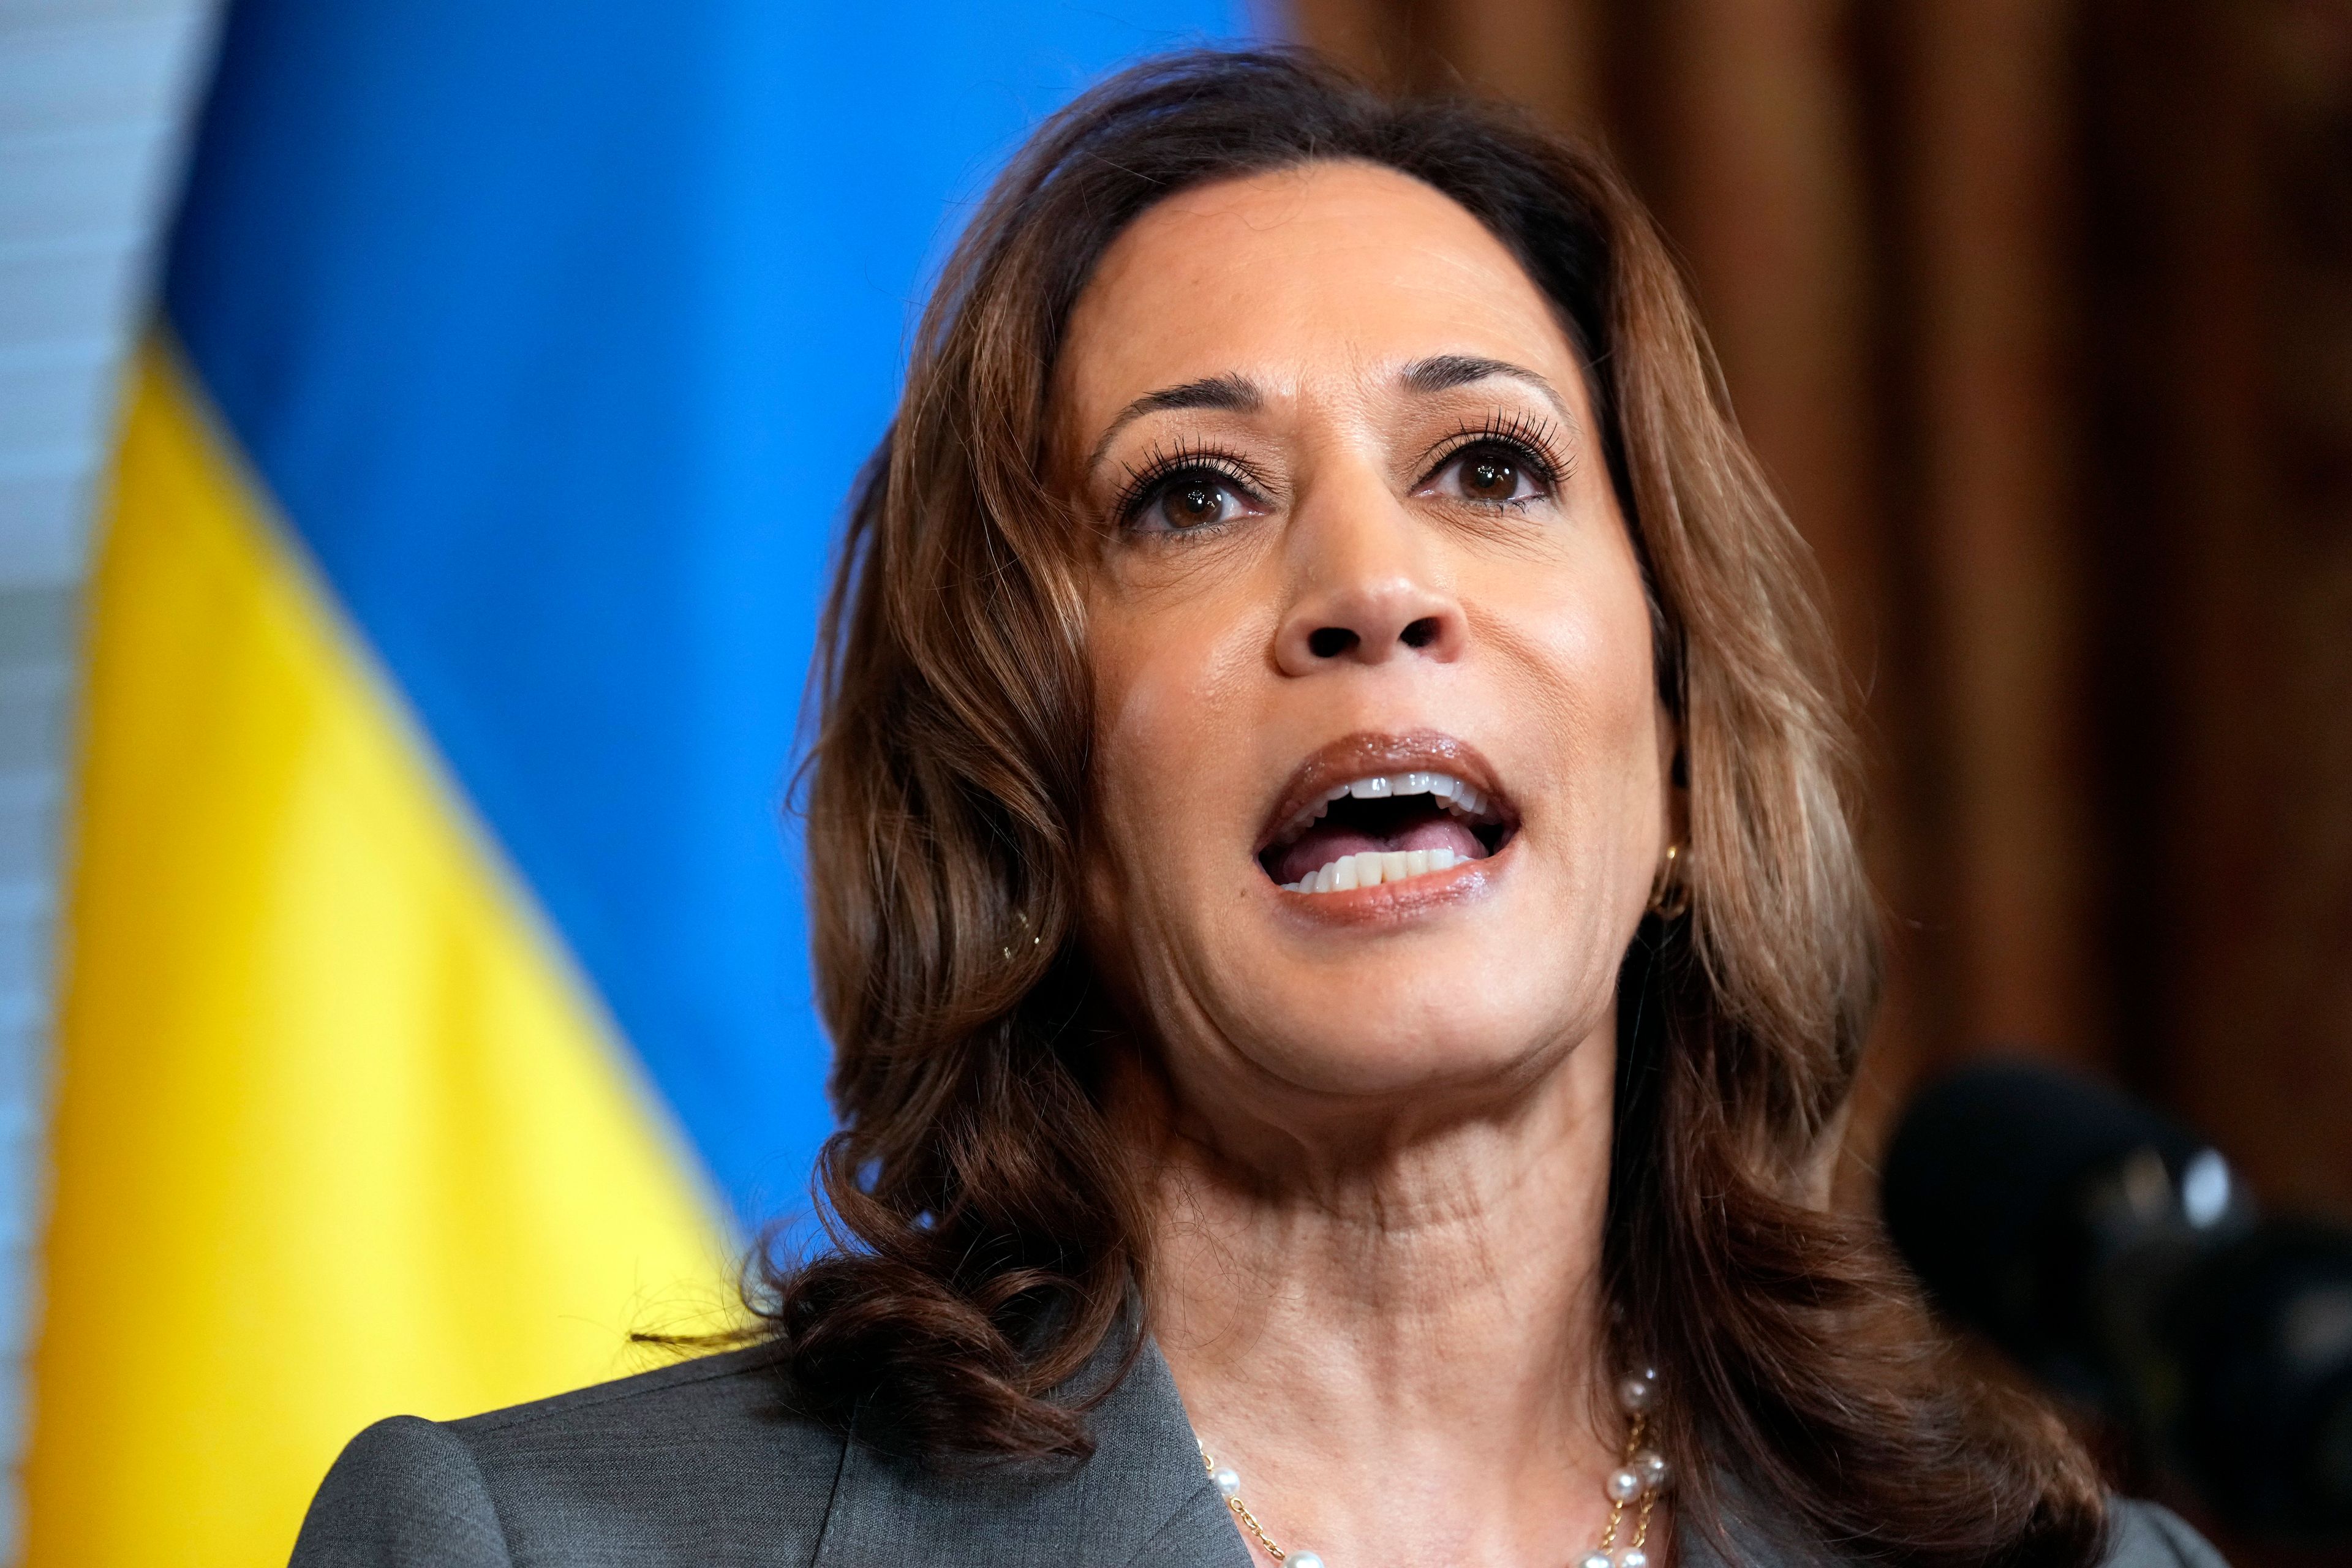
(1336, 900)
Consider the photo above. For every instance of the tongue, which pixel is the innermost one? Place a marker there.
(1323, 843)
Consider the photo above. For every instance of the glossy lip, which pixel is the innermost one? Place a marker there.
(1359, 755)
(1355, 756)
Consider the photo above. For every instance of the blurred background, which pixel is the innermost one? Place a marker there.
(95, 98)
(2038, 311)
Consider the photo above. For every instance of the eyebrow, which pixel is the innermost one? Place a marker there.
(1232, 393)
(1229, 392)
(1444, 372)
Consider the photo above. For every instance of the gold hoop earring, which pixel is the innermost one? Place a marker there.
(1670, 894)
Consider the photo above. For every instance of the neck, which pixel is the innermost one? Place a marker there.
(1396, 1336)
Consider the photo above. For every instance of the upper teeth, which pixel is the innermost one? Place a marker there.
(1452, 794)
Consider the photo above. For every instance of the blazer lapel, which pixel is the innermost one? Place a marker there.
(1143, 1499)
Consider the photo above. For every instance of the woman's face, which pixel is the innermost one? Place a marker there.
(1362, 603)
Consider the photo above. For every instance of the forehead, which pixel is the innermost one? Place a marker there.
(1326, 269)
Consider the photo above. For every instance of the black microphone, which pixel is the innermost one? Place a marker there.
(2118, 1258)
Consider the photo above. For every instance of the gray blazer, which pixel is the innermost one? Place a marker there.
(701, 1466)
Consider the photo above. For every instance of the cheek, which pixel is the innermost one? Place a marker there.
(1578, 646)
(1171, 722)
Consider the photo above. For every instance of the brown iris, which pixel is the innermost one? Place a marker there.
(1489, 476)
(1191, 502)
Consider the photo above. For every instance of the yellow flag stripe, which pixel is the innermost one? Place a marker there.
(340, 1132)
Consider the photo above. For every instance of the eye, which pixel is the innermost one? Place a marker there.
(1493, 473)
(1186, 500)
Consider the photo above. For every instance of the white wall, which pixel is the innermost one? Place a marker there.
(93, 99)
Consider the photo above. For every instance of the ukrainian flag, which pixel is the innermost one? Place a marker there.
(435, 1009)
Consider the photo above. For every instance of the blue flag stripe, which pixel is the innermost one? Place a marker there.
(557, 331)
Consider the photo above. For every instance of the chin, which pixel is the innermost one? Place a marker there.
(1391, 919)
(1476, 1059)
(1414, 1012)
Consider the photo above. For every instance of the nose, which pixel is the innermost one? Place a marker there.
(1367, 590)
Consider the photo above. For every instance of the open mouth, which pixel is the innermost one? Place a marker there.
(1382, 829)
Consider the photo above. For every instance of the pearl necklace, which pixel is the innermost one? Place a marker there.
(1640, 1476)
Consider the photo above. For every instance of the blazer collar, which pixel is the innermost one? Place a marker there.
(1144, 1498)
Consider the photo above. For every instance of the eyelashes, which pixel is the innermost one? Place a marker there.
(1523, 441)
(1149, 479)
(1527, 438)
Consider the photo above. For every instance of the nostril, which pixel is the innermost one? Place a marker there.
(1330, 642)
(1421, 633)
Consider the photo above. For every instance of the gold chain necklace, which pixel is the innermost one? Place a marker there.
(1640, 1479)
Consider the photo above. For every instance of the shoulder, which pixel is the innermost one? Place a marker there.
(2146, 1535)
(404, 1491)
(2138, 1535)
(704, 1462)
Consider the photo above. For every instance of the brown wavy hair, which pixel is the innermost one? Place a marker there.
(987, 1234)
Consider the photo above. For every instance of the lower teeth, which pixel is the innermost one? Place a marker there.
(1372, 867)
